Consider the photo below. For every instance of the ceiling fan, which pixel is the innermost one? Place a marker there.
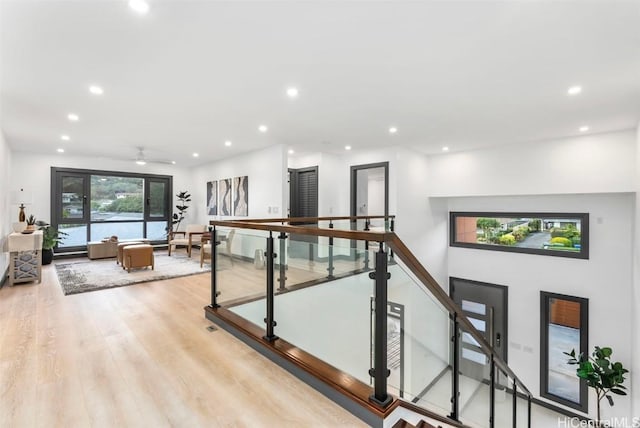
(141, 159)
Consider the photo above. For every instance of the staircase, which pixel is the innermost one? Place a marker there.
(422, 424)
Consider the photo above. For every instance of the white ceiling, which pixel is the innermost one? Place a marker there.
(192, 74)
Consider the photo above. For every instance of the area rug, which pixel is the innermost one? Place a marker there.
(91, 275)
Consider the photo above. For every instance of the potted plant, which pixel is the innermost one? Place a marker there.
(600, 374)
(31, 222)
(184, 197)
(51, 237)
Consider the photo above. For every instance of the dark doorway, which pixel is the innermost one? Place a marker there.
(303, 202)
(486, 307)
(370, 189)
(369, 197)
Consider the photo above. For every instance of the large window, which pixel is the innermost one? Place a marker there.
(552, 234)
(93, 205)
(563, 327)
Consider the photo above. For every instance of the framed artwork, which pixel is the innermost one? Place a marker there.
(551, 234)
(241, 196)
(224, 191)
(212, 198)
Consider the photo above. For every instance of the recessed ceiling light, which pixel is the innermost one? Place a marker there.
(292, 92)
(96, 90)
(141, 162)
(263, 128)
(173, 162)
(140, 6)
(574, 90)
(347, 147)
(445, 149)
(584, 128)
(195, 155)
(291, 151)
(60, 150)
(65, 138)
(228, 143)
(73, 117)
(393, 130)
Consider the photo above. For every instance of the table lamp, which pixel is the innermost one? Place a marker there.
(21, 198)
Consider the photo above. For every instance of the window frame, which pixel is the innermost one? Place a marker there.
(584, 232)
(86, 174)
(545, 298)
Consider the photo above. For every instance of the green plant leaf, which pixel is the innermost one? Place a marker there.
(618, 391)
(610, 400)
(606, 352)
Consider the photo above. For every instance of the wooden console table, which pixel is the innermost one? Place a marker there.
(25, 257)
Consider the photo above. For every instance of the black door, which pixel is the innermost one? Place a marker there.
(486, 307)
(303, 202)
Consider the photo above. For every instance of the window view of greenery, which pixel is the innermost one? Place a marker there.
(546, 233)
(116, 198)
(92, 207)
(72, 197)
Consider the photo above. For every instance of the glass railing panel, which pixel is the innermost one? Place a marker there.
(311, 259)
(420, 363)
(503, 399)
(241, 272)
(474, 380)
(329, 319)
(522, 410)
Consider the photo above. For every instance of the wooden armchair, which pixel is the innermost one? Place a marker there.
(205, 250)
(186, 238)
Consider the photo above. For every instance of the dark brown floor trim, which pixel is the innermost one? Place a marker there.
(342, 383)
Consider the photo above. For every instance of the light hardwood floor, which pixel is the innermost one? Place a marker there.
(140, 356)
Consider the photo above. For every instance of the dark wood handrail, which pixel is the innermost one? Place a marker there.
(313, 219)
(357, 235)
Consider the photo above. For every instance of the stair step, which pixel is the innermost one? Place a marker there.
(403, 424)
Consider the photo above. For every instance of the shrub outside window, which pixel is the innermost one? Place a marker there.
(553, 234)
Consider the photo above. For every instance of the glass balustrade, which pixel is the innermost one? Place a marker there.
(240, 269)
(418, 343)
(323, 303)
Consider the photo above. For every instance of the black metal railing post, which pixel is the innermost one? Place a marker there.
(515, 404)
(529, 411)
(282, 262)
(492, 394)
(392, 229)
(214, 272)
(455, 371)
(379, 372)
(366, 246)
(330, 269)
(269, 321)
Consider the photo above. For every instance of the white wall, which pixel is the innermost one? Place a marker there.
(6, 211)
(635, 326)
(267, 178)
(32, 172)
(590, 164)
(267, 175)
(605, 278)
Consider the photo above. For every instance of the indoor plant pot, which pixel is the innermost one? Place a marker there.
(51, 237)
